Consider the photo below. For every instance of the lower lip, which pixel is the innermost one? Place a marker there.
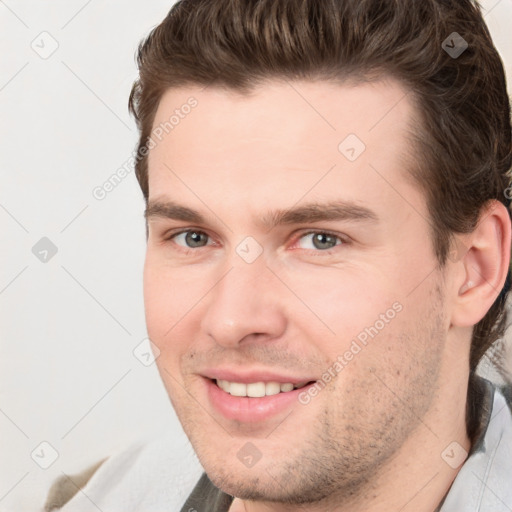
(245, 409)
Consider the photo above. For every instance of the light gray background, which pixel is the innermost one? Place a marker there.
(69, 326)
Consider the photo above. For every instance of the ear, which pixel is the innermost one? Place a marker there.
(485, 263)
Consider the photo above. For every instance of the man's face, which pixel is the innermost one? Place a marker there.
(247, 293)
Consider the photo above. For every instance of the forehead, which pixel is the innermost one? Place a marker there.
(319, 139)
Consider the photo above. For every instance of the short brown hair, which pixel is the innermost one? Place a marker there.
(464, 141)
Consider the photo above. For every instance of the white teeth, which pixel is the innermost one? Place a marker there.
(257, 389)
(272, 388)
(223, 384)
(237, 389)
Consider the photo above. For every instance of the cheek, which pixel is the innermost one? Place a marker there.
(341, 302)
(171, 297)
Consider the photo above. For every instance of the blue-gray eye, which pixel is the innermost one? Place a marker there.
(191, 239)
(320, 241)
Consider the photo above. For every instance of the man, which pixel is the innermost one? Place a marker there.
(328, 243)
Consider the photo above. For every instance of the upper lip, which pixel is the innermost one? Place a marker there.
(248, 376)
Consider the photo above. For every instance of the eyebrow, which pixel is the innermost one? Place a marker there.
(310, 212)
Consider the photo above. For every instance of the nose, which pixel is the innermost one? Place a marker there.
(245, 305)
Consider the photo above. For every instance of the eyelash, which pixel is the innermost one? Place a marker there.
(188, 250)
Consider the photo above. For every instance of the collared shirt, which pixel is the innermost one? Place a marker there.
(150, 477)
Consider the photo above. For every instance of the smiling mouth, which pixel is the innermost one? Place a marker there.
(257, 389)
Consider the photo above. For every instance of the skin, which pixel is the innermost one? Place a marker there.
(372, 439)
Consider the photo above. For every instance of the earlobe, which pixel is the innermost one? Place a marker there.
(485, 265)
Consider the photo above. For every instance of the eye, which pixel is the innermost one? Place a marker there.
(314, 240)
(190, 239)
(320, 240)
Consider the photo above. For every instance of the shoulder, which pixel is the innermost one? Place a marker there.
(483, 481)
(65, 487)
(158, 471)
